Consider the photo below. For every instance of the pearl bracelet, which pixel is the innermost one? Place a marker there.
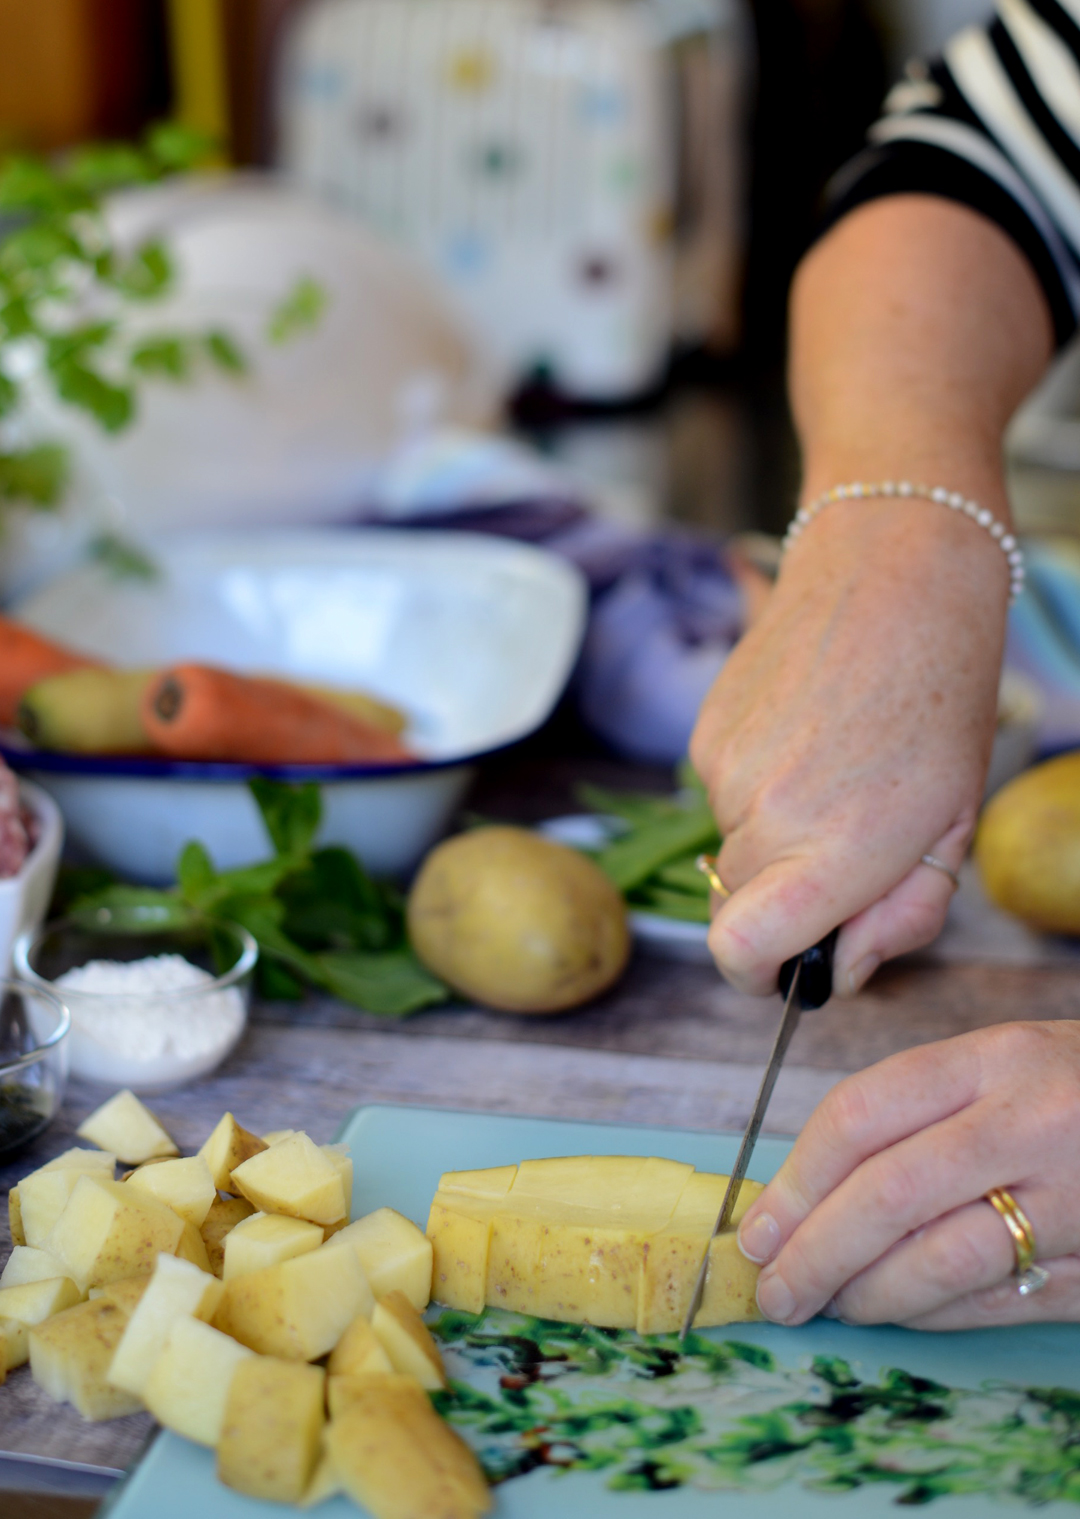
(952, 499)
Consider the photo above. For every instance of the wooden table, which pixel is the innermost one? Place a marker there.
(671, 1046)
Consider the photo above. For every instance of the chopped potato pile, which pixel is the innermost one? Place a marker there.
(204, 1287)
(614, 1240)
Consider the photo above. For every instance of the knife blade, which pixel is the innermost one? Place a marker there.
(806, 982)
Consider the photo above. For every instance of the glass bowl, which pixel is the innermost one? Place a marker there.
(157, 1026)
(34, 1026)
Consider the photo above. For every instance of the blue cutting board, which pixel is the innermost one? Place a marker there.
(894, 1459)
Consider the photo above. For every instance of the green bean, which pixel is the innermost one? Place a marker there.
(630, 860)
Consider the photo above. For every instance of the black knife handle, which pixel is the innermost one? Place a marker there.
(815, 982)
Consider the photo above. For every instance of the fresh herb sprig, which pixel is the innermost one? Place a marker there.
(319, 918)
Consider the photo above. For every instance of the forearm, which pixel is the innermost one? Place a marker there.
(917, 327)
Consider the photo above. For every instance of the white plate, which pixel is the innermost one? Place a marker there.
(473, 636)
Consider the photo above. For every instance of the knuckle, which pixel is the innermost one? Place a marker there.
(1017, 1044)
(896, 1190)
(738, 958)
(845, 1115)
(955, 1261)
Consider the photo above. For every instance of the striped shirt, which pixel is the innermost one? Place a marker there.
(995, 124)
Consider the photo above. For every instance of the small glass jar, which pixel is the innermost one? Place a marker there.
(34, 1028)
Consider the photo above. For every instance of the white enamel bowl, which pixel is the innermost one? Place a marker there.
(474, 636)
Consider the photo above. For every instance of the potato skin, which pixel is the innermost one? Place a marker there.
(1028, 846)
(269, 1445)
(517, 922)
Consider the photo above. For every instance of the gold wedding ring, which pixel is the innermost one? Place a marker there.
(1029, 1277)
(706, 863)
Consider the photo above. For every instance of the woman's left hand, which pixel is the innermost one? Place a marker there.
(879, 1214)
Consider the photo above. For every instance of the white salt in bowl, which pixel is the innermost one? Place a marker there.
(154, 1003)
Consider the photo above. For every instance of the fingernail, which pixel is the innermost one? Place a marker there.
(861, 971)
(775, 1298)
(760, 1238)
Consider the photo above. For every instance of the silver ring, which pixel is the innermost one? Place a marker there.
(936, 864)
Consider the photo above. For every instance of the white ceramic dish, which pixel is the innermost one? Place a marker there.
(24, 899)
(474, 636)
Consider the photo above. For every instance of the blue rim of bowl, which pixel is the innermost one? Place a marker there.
(8, 983)
(147, 767)
(20, 954)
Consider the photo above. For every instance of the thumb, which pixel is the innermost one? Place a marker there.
(781, 911)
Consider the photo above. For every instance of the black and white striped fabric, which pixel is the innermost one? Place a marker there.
(993, 123)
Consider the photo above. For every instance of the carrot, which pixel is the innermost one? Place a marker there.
(25, 658)
(202, 713)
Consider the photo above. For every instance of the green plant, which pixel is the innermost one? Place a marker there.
(64, 285)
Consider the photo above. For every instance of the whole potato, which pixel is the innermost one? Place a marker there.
(518, 922)
(1028, 846)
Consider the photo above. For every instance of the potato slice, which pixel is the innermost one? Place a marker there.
(14, 1345)
(225, 1213)
(277, 1135)
(294, 1177)
(44, 1193)
(188, 1384)
(34, 1302)
(266, 1239)
(128, 1128)
(338, 1155)
(176, 1290)
(461, 1248)
(228, 1147)
(26, 1264)
(407, 1341)
(192, 1248)
(126, 1293)
(359, 1352)
(300, 1309)
(271, 1434)
(674, 1258)
(395, 1254)
(70, 1356)
(397, 1459)
(185, 1186)
(109, 1231)
(325, 1483)
(15, 1223)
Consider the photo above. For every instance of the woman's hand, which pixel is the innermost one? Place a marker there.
(877, 1215)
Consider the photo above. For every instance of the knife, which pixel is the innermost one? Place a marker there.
(806, 982)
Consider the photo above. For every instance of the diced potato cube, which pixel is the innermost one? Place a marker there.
(225, 1213)
(126, 1293)
(14, 1345)
(188, 1385)
(359, 1352)
(277, 1134)
(671, 1266)
(342, 1392)
(128, 1128)
(407, 1341)
(394, 1253)
(176, 1290)
(101, 1161)
(493, 1183)
(44, 1193)
(26, 1264)
(34, 1302)
(15, 1223)
(228, 1147)
(109, 1231)
(192, 1247)
(296, 1178)
(271, 1434)
(338, 1155)
(70, 1355)
(461, 1246)
(397, 1459)
(324, 1484)
(266, 1239)
(300, 1309)
(185, 1186)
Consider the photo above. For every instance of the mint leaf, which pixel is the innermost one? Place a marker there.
(169, 358)
(122, 559)
(99, 168)
(195, 874)
(292, 814)
(332, 903)
(133, 907)
(9, 395)
(145, 276)
(389, 985)
(113, 406)
(222, 351)
(300, 310)
(173, 147)
(34, 475)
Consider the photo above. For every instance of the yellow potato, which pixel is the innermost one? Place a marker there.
(127, 1127)
(188, 1386)
(44, 1193)
(395, 1457)
(324, 1484)
(70, 1357)
(34, 1302)
(25, 1264)
(271, 1433)
(15, 1223)
(176, 1290)
(407, 1341)
(126, 1294)
(267, 1239)
(109, 1231)
(359, 1352)
(294, 1177)
(338, 1155)
(299, 1309)
(228, 1147)
(185, 1186)
(225, 1213)
(14, 1345)
(674, 1258)
(394, 1253)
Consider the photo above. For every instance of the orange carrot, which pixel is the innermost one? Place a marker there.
(199, 712)
(25, 658)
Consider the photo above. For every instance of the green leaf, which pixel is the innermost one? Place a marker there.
(99, 168)
(292, 814)
(147, 274)
(113, 406)
(17, 318)
(332, 903)
(75, 882)
(36, 475)
(9, 395)
(122, 559)
(276, 984)
(195, 873)
(390, 985)
(169, 358)
(174, 147)
(39, 245)
(132, 907)
(29, 183)
(297, 312)
(223, 351)
(73, 345)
